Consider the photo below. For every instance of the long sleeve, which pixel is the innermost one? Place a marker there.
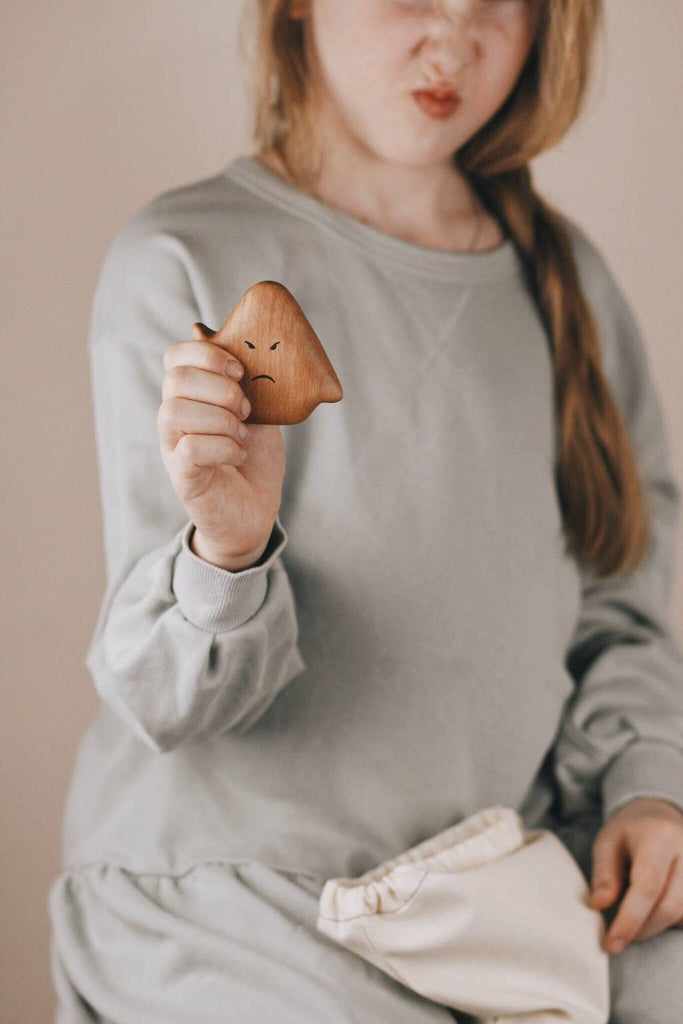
(621, 734)
(182, 649)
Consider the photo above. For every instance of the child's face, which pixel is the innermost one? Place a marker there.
(373, 54)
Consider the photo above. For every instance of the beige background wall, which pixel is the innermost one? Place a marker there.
(104, 105)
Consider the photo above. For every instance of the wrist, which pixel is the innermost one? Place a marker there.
(233, 563)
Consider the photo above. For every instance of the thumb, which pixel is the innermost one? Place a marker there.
(608, 868)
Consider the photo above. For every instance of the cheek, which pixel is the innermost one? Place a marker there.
(362, 46)
(507, 52)
(357, 65)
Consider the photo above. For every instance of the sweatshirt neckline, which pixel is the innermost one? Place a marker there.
(501, 262)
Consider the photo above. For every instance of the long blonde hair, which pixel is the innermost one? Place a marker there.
(604, 511)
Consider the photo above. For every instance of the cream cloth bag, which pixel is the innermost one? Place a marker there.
(486, 917)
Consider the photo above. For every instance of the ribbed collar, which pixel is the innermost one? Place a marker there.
(501, 262)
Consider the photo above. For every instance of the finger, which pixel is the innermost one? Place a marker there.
(608, 873)
(668, 909)
(214, 388)
(648, 878)
(205, 355)
(209, 450)
(179, 416)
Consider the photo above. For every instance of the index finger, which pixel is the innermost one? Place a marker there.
(205, 355)
(645, 888)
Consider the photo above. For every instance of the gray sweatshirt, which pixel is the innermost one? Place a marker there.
(415, 643)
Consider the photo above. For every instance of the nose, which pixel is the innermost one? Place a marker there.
(452, 38)
(455, 15)
(457, 8)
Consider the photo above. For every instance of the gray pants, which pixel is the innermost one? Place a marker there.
(228, 943)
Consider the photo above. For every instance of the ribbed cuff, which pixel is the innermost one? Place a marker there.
(215, 599)
(645, 768)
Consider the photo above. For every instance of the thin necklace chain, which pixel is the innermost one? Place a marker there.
(476, 205)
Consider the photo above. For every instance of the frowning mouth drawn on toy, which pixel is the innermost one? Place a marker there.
(261, 376)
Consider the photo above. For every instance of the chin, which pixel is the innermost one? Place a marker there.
(409, 151)
(419, 156)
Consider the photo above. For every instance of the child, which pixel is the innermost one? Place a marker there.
(323, 643)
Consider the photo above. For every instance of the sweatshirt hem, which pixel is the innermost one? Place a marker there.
(70, 868)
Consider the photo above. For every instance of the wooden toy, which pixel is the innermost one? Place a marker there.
(286, 370)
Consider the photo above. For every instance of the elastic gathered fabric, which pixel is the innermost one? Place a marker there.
(479, 839)
(486, 917)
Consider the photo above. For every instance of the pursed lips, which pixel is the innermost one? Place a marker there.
(442, 91)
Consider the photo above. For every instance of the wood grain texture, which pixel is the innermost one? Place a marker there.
(286, 370)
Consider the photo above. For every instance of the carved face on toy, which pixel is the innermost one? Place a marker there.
(286, 370)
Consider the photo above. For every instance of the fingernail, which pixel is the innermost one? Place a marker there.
(242, 431)
(616, 945)
(245, 407)
(234, 369)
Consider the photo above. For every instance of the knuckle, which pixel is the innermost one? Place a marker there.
(174, 378)
(168, 413)
(170, 353)
(230, 422)
(222, 358)
(172, 406)
(671, 907)
(214, 356)
(163, 414)
(647, 879)
(626, 923)
(235, 394)
(187, 446)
